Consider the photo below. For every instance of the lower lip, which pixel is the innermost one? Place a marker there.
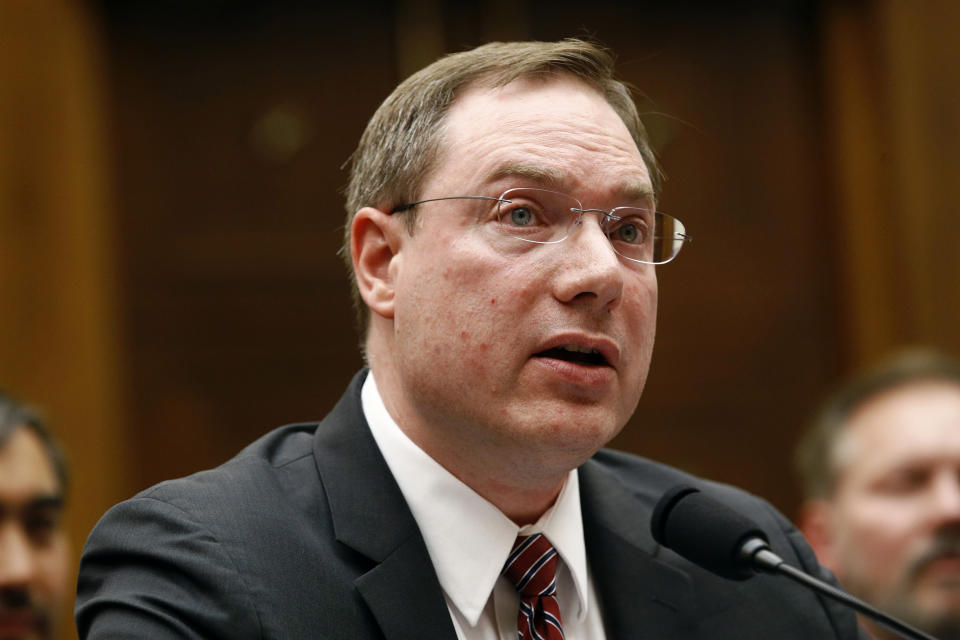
(588, 376)
(17, 625)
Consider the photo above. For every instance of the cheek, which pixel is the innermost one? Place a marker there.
(649, 294)
(459, 312)
(492, 315)
(475, 349)
(54, 564)
(876, 528)
(641, 292)
(642, 316)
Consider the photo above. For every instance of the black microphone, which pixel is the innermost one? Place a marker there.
(716, 537)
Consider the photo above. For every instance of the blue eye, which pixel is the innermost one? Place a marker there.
(521, 216)
(629, 233)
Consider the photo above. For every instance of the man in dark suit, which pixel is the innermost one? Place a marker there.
(503, 239)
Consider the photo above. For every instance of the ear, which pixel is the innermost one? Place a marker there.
(815, 524)
(375, 239)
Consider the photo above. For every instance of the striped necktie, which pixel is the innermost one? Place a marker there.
(532, 568)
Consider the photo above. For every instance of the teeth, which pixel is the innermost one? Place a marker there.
(578, 349)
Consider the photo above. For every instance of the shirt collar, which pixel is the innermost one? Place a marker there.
(467, 537)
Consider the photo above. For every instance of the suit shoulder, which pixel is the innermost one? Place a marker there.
(638, 474)
(649, 480)
(262, 468)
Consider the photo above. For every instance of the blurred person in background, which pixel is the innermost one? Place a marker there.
(880, 468)
(34, 553)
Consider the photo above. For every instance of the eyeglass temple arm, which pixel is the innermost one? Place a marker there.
(407, 207)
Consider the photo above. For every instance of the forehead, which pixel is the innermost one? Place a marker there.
(25, 468)
(914, 423)
(558, 131)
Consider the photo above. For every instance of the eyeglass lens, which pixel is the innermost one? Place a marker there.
(544, 216)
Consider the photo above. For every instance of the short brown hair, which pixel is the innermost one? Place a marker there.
(401, 143)
(815, 460)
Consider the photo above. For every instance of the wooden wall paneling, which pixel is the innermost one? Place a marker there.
(855, 120)
(59, 340)
(239, 311)
(924, 92)
(895, 132)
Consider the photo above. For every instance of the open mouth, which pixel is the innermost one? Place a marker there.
(576, 354)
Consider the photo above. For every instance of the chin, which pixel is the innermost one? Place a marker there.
(588, 433)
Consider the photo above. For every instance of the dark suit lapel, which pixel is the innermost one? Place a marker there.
(640, 596)
(371, 517)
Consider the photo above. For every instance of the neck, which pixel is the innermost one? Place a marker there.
(522, 504)
(498, 473)
(503, 477)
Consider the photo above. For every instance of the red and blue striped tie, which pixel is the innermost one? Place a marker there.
(532, 568)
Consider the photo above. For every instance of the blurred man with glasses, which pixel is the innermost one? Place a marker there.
(503, 238)
(34, 553)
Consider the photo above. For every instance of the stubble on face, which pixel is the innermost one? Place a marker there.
(896, 515)
(916, 594)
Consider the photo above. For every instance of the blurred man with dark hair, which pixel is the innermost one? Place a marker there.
(881, 474)
(34, 555)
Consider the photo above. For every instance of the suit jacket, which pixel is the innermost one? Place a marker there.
(305, 534)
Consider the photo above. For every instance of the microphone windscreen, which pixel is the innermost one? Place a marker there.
(704, 530)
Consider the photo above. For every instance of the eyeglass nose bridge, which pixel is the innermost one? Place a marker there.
(608, 217)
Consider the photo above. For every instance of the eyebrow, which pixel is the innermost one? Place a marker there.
(638, 191)
(554, 179)
(543, 176)
(44, 502)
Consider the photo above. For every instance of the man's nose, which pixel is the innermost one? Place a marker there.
(946, 496)
(591, 269)
(16, 557)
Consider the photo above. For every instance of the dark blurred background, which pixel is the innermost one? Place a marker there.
(171, 210)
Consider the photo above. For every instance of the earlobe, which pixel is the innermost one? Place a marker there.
(814, 523)
(374, 244)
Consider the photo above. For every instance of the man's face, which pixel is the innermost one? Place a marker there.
(483, 324)
(33, 548)
(895, 519)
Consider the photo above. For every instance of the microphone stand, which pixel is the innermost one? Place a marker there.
(756, 553)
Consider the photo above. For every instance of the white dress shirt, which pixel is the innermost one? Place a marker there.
(469, 539)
